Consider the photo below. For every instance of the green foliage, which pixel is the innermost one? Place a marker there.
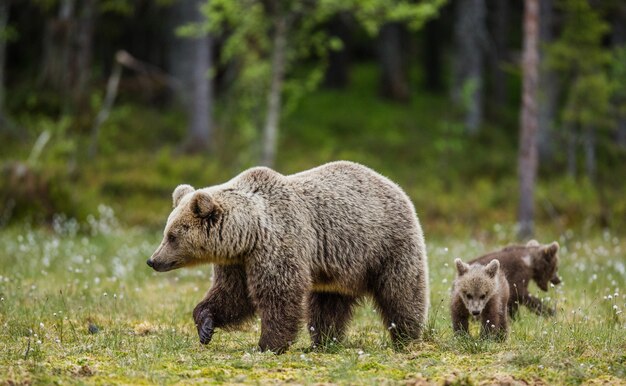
(579, 55)
(248, 27)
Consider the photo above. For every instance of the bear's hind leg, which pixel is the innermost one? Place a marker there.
(401, 294)
(329, 314)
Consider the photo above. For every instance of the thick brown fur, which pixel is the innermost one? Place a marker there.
(482, 292)
(523, 263)
(309, 244)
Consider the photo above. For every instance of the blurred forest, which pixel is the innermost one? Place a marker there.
(112, 103)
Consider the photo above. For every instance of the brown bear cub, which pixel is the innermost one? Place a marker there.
(307, 245)
(481, 292)
(521, 264)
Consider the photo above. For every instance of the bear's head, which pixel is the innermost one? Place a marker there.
(545, 262)
(476, 284)
(188, 238)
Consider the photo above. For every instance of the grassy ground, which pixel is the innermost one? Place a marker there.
(79, 305)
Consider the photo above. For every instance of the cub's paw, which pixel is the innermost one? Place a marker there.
(204, 323)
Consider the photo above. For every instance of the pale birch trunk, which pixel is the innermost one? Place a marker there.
(272, 119)
(528, 157)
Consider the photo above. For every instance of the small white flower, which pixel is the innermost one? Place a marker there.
(392, 326)
(302, 356)
(312, 328)
(493, 326)
(360, 352)
(105, 294)
(41, 325)
(38, 341)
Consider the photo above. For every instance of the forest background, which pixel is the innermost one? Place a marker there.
(117, 101)
(502, 120)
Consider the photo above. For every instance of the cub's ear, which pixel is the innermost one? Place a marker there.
(461, 267)
(492, 268)
(548, 251)
(203, 206)
(180, 192)
(533, 243)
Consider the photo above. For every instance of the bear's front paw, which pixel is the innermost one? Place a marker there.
(204, 324)
(205, 330)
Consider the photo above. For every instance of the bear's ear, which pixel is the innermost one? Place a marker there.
(180, 192)
(533, 243)
(461, 267)
(492, 268)
(550, 250)
(203, 206)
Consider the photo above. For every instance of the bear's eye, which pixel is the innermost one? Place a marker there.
(468, 296)
(482, 297)
(171, 238)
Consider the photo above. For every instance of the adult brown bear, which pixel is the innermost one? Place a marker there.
(320, 239)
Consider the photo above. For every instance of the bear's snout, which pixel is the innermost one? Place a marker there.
(161, 266)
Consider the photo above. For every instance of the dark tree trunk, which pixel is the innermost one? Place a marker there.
(392, 56)
(572, 149)
(337, 75)
(191, 63)
(80, 58)
(272, 119)
(4, 18)
(57, 49)
(432, 56)
(548, 85)
(499, 52)
(470, 37)
(590, 152)
(618, 38)
(528, 121)
(68, 46)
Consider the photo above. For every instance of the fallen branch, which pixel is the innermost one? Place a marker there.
(124, 59)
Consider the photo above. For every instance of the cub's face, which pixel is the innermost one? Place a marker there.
(476, 284)
(185, 237)
(545, 261)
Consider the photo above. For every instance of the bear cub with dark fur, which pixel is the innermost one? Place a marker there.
(523, 263)
(481, 292)
(308, 245)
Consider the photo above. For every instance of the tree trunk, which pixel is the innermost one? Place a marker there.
(572, 150)
(336, 75)
(270, 131)
(432, 57)
(198, 81)
(83, 52)
(471, 37)
(590, 152)
(548, 86)
(500, 52)
(4, 18)
(618, 38)
(392, 56)
(56, 47)
(527, 160)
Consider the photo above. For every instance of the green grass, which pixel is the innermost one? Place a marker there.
(56, 282)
